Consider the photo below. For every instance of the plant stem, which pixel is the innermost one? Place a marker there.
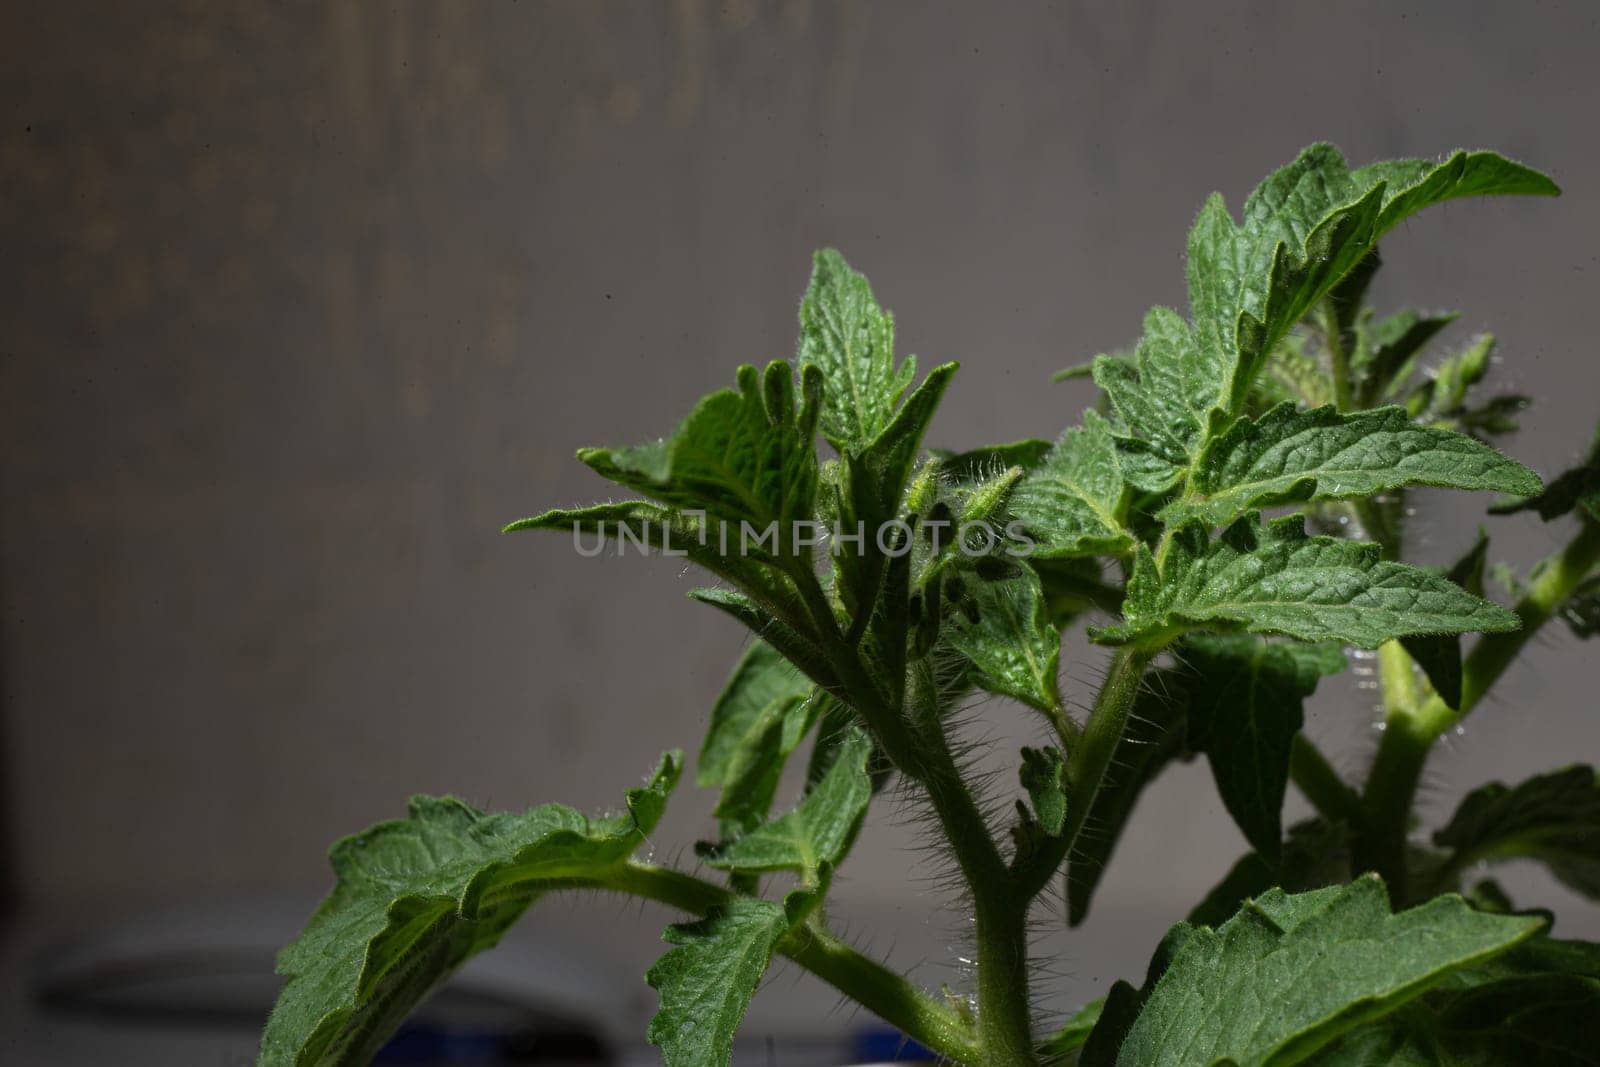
(883, 992)
(1338, 361)
(1087, 770)
(1397, 679)
(1005, 1027)
(1330, 794)
(880, 990)
(1410, 732)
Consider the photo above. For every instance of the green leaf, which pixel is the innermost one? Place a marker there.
(1444, 394)
(744, 457)
(1072, 1035)
(1124, 1003)
(1044, 775)
(799, 648)
(1381, 360)
(850, 338)
(1577, 489)
(1581, 610)
(1304, 228)
(1166, 391)
(982, 464)
(875, 485)
(638, 525)
(1245, 708)
(1070, 502)
(1552, 818)
(1011, 646)
(1315, 854)
(763, 714)
(416, 897)
(1291, 456)
(1154, 738)
(1413, 184)
(1439, 655)
(705, 983)
(1533, 1007)
(818, 831)
(1289, 974)
(1277, 579)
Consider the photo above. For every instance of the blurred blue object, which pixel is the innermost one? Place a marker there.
(884, 1045)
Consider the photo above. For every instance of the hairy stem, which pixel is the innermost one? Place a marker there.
(1005, 1027)
(1005, 1032)
(1410, 732)
(1090, 760)
(881, 991)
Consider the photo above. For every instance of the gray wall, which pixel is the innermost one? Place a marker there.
(302, 304)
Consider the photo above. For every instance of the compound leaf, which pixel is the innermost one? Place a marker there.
(1304, 228)
(1277, 579)
(416, 897)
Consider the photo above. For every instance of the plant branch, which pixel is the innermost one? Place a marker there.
(1005, 1032)
(1338, 361)
(1005, 1028)
(881, 991)
(1409, 733)
(1315, 777)
(1090, 759)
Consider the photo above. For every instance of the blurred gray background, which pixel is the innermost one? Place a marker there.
(302, 303)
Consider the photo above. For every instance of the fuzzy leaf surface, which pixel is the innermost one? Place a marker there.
(1290, 973)
(1277, 579)
(1069, 501)
(763, 714)
(1166, 389)
(1011, 646)
(743, 456)
(415, 898)
(850, 338)
(1246, 705)
(1291, 456)
(1304, 228)
(704, 984)
(818, 831)
(1044, 776)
